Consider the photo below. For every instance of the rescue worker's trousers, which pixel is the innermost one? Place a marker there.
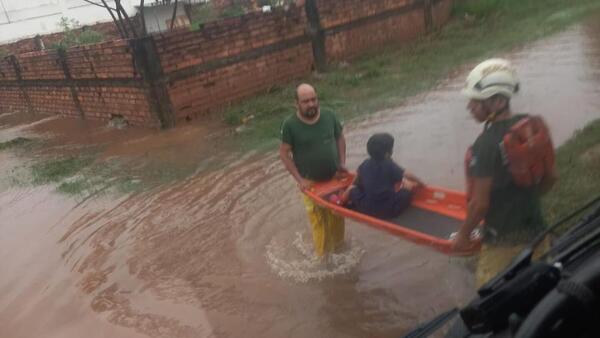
(327, 228)
(494, 258)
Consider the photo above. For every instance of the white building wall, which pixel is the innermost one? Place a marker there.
(25, 18)
(157, 17)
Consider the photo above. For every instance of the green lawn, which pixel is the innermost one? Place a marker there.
(578, 162)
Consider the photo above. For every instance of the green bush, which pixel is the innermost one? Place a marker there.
(202, 14)
(274, 3)
(89, 36)
(74, 35)
(233, 11)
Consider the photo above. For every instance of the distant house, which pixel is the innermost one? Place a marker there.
(158, 15)
(26, 18)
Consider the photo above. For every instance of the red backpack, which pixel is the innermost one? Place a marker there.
(526, 150)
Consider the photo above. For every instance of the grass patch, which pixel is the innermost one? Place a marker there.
(16, 142)
(74, 187)
(128, 185)
(55, 170)
(85, 174)
(578, 162)
(383, 79)
(94, 179)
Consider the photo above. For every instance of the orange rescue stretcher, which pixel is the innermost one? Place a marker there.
(434, 215)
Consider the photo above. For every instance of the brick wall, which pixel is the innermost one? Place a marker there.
(11, 100)
(7, 70)
(166, 79)
(232, 59)
(52, 100)
(353, 26)
(92, 81)
(108, 60)
(100, 102)
(40, 66)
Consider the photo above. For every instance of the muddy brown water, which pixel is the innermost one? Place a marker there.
(225, 253)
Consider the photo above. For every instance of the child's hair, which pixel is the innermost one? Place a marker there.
(379, 145)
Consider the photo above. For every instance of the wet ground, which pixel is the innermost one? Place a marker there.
(225, 253)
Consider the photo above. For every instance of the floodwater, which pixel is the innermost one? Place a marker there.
(225, 253)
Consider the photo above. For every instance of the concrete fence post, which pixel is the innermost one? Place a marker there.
(428, 13)
(148, 64)
(62, 58)
(317, 35)
(17, 68)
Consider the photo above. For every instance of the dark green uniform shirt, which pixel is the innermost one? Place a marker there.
(314, 146)
(514, 213)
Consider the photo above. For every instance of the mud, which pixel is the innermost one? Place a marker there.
(225, 253)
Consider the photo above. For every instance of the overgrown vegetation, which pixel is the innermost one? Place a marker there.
(274, 3)
(232, 11)
(75, 35)
(206, 12)
(383, 79)
(578, 162)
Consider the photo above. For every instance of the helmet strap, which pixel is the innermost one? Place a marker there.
(489, 120)
(492, 116)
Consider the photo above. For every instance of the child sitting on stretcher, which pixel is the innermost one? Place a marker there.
(373, 190)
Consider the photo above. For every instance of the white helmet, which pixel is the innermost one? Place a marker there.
(491, 77)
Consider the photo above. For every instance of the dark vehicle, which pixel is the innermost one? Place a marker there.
(555, 296)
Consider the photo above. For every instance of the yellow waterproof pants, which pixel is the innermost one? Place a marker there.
(327, 228)
(494, 258)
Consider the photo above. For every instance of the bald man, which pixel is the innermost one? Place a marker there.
(313, 149)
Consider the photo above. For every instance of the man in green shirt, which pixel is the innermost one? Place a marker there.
(511, 214)
(312, 149)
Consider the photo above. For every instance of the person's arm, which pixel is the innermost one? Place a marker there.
(285, 154)
(477, 208)
(414, 178)
(341, 147)
(346, 194)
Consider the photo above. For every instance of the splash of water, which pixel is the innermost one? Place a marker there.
(299, 263)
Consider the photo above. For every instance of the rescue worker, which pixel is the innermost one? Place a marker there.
(511, 213)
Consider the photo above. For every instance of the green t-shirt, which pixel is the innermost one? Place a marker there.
(314, 147)
(514, 214)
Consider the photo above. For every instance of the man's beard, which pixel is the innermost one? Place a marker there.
(311, 112)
